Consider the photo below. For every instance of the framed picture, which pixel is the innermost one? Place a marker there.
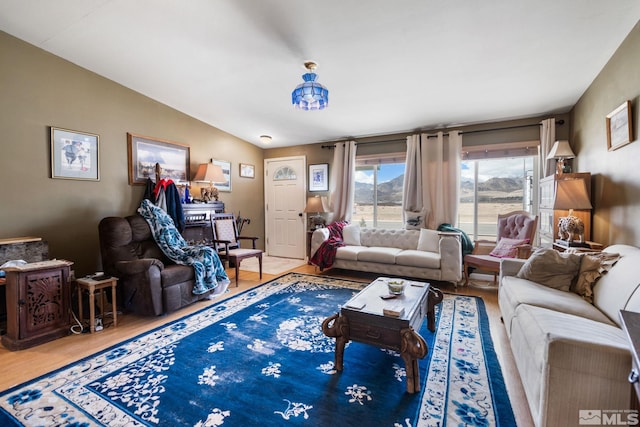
(619, 131)
(247, 171)
(319, 177)
(145, 152)
(226, 171)
(74, 155)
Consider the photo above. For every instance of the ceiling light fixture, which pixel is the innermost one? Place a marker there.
(310, 95)
(265, 139)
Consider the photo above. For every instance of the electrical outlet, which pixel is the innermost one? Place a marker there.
(98, 324)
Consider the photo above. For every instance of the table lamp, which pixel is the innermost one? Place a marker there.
(316, 205)
(560, 151)
(209, 172)
(571, 194)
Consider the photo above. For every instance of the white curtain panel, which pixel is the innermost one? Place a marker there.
(432, 176)
(547, 138)
(412, 199)
(343, 181)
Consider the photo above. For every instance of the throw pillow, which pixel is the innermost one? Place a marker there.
(551, 268)
(592, 266)
(507, 248)
(351, 234)
(429, 240)
(415, 220)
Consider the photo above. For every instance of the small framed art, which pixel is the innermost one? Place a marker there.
(319, 177)
(247, 170)
(619, 132)
(145, 152)
(74, 155)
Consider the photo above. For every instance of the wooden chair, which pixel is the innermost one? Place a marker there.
(226, 240)
(513, 225)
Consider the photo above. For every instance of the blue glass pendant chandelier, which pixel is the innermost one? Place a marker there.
(310, 95)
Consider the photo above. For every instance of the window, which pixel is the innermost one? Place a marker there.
(284, 173)
(491, 187)
(378, 190)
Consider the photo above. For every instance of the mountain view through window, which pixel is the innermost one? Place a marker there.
(488, 188)
(378, 195)
(491, 187)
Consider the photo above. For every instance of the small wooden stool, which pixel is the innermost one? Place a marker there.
(91, 285)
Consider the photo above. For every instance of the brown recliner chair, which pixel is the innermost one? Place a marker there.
(149, 283)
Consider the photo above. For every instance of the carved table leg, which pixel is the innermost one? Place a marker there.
(434, 298)
(412, 348)
(339, 329)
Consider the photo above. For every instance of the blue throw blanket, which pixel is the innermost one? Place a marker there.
(209, 271)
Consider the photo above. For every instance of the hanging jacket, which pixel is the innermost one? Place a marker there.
(174, 205)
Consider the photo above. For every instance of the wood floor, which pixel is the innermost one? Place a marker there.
(20, 366)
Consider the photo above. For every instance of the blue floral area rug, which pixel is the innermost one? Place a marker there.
(260, 358)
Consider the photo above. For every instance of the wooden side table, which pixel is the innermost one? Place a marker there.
(91, 286)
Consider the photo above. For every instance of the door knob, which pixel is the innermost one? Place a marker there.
(300, 214)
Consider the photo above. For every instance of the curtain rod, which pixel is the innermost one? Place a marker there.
(558, 122)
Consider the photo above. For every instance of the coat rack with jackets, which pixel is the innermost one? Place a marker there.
(164, 194)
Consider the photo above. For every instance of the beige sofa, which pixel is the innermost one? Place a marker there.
(422, 254)
(571, 355)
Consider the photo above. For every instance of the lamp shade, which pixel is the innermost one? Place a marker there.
(571, 194)
(315, 204)
(208, 172)
(561, 150)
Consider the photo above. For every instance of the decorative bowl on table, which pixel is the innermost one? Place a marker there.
(396, 287)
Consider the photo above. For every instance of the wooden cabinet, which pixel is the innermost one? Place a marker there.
(38, 303)
(30, 249)
(198, 221)
(549, 217)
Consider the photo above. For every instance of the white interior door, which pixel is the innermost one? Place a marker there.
(285, 190)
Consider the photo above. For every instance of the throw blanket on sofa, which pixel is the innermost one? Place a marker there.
(467, 243)
(209, 271)
(326, 253)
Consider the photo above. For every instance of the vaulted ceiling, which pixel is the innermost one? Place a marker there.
(390, 66)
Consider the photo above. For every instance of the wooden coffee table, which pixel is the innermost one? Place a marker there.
(362, 319)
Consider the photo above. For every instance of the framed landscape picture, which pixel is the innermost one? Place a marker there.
(619, 132)
(319, 177)
(74, 155)
(145, 152)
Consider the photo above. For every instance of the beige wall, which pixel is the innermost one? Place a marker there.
(39, 90)
(616, 175)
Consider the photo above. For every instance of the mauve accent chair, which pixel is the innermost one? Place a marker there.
(519, 225)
